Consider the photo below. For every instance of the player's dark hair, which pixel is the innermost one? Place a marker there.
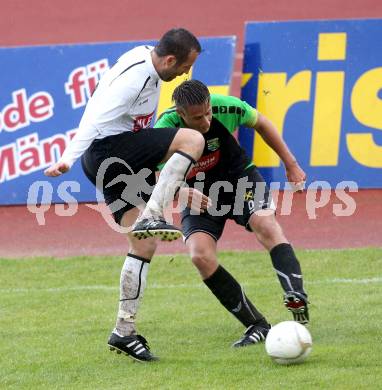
(190, 93)
(177, 42)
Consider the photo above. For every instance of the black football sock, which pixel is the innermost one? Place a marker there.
(287, 268)
(231, 295)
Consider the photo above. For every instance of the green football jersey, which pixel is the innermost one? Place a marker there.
(222, 158)
(230, 111)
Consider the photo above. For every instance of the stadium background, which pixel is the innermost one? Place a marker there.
(52, 22)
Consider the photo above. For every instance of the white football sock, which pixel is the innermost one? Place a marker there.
(171, 178)
(132, 285)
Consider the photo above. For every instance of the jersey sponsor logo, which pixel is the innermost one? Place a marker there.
(248, 195)
(205, 163)
(142, 121)
(228, 110)
(213, 144)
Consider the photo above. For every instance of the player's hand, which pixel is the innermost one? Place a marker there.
(57, 169)
(296, 177)
(194, 199)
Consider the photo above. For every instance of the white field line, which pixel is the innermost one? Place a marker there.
(376, 280)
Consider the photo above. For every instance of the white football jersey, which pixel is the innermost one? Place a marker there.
(125, 99)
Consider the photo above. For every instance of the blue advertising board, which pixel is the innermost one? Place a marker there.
(44, 90)
(320, 83)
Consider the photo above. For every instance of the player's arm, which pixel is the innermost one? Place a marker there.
(272, 137)
(251, 118)
(77, 146)
(122, 95)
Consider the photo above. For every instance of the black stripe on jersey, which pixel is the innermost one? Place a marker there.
(144, 85)
(129, 67)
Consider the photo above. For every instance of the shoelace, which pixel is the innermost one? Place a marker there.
(143, 341)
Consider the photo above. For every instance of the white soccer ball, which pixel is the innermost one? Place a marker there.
(288, 342)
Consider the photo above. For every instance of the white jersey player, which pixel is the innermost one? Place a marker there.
(115, 128)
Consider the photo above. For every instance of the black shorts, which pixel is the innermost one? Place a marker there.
(242, 202)
(126, 165)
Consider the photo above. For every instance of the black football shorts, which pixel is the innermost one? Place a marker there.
(237, 205)
(126, 165)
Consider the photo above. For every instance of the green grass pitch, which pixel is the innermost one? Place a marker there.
(56, 316)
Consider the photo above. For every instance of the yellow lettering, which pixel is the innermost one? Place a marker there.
(367, 108)
(331, 46)
(275, 97)
(327, 119)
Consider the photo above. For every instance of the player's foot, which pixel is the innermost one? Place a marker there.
(253, 335)
(150, 227)
(134, 346)
(297, 304)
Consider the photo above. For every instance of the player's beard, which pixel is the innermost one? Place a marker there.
(168, 75)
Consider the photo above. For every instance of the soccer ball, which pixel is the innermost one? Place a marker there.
(288, 342)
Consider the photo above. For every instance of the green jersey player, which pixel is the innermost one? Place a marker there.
(226, 174)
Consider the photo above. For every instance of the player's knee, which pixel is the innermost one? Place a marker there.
(192, 142)
(197, 140)
(144, 248)
(202, 261)
(265, 227)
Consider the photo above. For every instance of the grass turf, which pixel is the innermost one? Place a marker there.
(56, 316)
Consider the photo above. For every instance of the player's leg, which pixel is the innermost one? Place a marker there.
(134, 271)
(124, 337)
(184, 150)
(202, 248)
(288, 269)
(259, 216)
